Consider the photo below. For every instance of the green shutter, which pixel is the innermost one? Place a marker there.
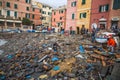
(80, 15)
(0, 12)
(75, 3)
(116, 4)
(15, 14)
(8, 13)
(84, 15)
(0, 3)
(107, 7)
(8, 4)
(33, 16)
(100, 7)
(15, 6)
(83, 1)
(73, 16)
(26, 1)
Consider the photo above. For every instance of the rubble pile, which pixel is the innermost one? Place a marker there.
(29, 56)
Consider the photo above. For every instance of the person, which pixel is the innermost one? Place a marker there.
(111, 43)
(55, 47)
(93, 35)
(83, 30)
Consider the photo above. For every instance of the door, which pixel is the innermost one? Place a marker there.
(78, 30)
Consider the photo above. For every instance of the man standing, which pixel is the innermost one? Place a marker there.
(111, 43)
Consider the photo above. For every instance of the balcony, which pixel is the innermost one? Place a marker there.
(2, 16)
(9, 17)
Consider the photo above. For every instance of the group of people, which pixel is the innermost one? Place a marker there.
(110, 40)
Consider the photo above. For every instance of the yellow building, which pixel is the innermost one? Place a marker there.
(83, 14)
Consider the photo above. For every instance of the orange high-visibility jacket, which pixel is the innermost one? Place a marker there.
(111, 42)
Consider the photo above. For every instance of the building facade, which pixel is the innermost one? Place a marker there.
(100, 14)
(59, 18)
(114, 16)
(83, 14)
(35, 16)
(71, 15)
(13, 11)
(46, 15)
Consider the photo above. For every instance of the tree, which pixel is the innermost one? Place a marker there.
(26, 21)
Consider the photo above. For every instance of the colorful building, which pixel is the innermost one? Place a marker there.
(59, 18)
(13, 11)
(36, 16)
(114, 16)
(83, 14)
(46, 14)
(100, 14)
(71, 15)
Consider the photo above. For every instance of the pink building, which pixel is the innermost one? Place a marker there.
(100, 14)
(71, 15)
(59, 18)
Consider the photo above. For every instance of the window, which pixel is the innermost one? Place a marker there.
(82, 15)
(83, 2)
(28, 1)
(49, 13)
(104, 8)
(8, 4)
(44, 18)
(15, 14)
(43, 12)
(15, 6)
(0, 12)
(27, 8)
(33, 9)
(0, 3)
(73, 16)
(61, 11)
(54, 13)
(27, 15)
(73, 4)
(8, 13)
(58, 24)
(33, 16)
(40, 10)
(116, 4)
(60, 18)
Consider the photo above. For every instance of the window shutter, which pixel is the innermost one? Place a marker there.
(84, 15)
(107, 7)
(75, 3)
(83, 1)
(100, 8)
(0, 3)
(80, 15)
(72, 16)
(8, 13)
(116, 4)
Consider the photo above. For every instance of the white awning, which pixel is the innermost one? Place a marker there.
(102, 19)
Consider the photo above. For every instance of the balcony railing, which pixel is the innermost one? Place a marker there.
(9, 17)
(2, 16)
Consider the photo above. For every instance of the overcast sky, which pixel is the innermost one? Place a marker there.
(54, 3)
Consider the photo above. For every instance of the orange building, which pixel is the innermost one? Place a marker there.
(83, 14)
(59, 18)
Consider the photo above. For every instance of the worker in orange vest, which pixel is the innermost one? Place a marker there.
(111, 43)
